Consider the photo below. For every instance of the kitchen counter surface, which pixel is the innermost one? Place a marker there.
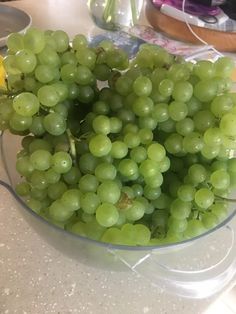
(37, 279)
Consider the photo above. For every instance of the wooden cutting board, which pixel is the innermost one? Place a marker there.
(223, 41)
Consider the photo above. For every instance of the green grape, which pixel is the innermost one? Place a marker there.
(130, 128)
(88, 163)
(227, 124)
(160, 112)
(26, 104)
(132, 140)
(193, 143)
(164, 165)
(25, 61)
(213, 137)
(79, 41)
(100, 145)
(102, 72)
(68, 57)
(108, 192)
(126, 115)
(34, 204)
(195, 228)
(83, 75)
(101, 124)
(137, 190)
(113, 235)
(151, 193)
(115, 125)
(86, 57)
(162, 202)
(156, 152)
(204, 198)
(178, 110)
(180, 209)
(127, 167)
(56, 190)
(142, 234)
(71, 199)
(145, 135)
(89, 202)
(101, 107)
(59, 212)
(185, 126)
(68, 73)
(197, 173)
(147, 123)
(136, 211)
(72, 176)
(20, 123)
(48, 96)
(29, 83)
(107, 215)
(224, 66)
(178, 72)
(220, 179)
(52, 176)
(24, 166)
(39, 143)
(220, 210)
(182, 91)
(221, 105)
(86, 94)
(177, 225)
(210, 152)
(123, 85)
(138, 154)
(166, 87)
(88, 183)
(54, 124)
(204, 69)
(148, 168)
(61, 162)
(23, 188)
(205, 90)
(142, 86)
(37, 127)
(194, 105)
(142, 106)
(15, 42)
(79, 228)
(38, 194)
(186, 193)
(48, 56)
(209, 220)
(41, 159)
(105, 171)
(174, 143)
(203, 120)
(61, 40)
(44, 73)
(38, 180)
(34, 40)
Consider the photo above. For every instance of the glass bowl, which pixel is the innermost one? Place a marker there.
(195, 268)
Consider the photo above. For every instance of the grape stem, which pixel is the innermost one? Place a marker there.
(232, 200)
(71, 140)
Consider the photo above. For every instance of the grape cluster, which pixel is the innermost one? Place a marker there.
(144, 160)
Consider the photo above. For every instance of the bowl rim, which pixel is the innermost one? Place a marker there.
(110, 246)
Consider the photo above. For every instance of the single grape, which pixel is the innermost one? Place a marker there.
(26, 104)
(204, 198)
(54, 124)
(100, 145)
(61, 162)
(41, 159)
(88, 183)
(107, 215)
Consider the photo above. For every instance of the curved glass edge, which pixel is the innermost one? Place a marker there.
(99, 243)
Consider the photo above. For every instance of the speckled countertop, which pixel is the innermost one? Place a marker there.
(37, 279)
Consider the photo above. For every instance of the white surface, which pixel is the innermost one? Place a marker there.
(34, 277)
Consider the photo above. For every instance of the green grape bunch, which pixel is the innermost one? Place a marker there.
(146, 159)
